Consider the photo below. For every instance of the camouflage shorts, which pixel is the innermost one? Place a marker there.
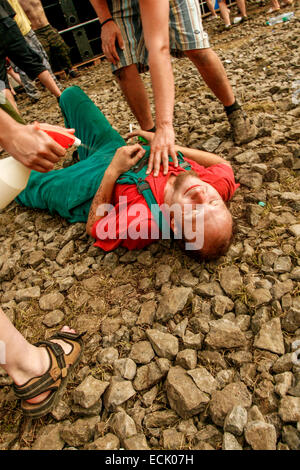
(57, 50)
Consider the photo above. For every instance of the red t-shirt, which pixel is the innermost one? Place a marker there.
(131, 223)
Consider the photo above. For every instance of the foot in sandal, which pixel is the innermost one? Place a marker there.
(41, 388)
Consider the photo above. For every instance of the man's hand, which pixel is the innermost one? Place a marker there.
(32, 147)
(110, 36)
(162, 146)
(140, 133)
(125, 158)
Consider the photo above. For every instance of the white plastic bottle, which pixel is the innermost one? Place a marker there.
(283, 18)
(13, 179)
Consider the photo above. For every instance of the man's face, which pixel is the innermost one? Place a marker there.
(202, 207)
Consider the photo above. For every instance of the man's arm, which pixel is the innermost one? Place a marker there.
(110, 32)
(124, 159)
(155, 20)
(104, 195)
(201, 157)
(30, 146)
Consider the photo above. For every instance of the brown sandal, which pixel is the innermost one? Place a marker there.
(54, 379)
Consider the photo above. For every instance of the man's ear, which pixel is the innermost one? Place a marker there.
(172, 224)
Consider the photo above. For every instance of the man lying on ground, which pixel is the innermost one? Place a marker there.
(109, 189)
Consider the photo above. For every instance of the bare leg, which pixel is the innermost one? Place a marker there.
(225, 13)
(242, 7)
(49, 83)
(10, 98)
(213, 73)
(211, 8)
(136, 96)
(20, 359)
(15, 76)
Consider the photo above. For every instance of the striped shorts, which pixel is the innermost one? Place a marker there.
(186, 31)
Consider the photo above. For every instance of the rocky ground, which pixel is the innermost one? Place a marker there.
(179, 355)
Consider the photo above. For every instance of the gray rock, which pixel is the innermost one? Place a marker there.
(147, 313)
(187, 359)
(142, 352)
(183, 394)
(294, 230)
(283, 383)
(224, 334)
(221, 304)
(230, 442)
(61, 411)
(123, 425)
(107, 442)
(208, 289)
(107, 356)
(289, 409)
(172, 302)
(65, 253)
(137, 442)
(125, 367)
(270, 337)
(193, 341)
(88, 393)
(163, 274)
(151, 374)
(291, 436)
(173, 439)
(161, 419)
(80, 432)
(261, 435)
(203, 379)
(291, 322)
(53, 318)
(231, 280)
(211, 144)
(164, 344)
(236, 420)
(30, 293)
(283, 264)
(51, 301)
(252, 180)
(49, 438)
(223, 401)
(118, 392)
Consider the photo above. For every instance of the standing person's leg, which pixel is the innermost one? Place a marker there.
(185, 18)
(28, 60)
(37, 47)
(242, 7)
(29, 86)
(132, 57)
(225, 13)
(26, 364)
(211, 8)
(60, 51)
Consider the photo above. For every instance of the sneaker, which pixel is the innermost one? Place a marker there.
(242, 128)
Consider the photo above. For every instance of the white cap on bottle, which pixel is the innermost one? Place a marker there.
(77, 142)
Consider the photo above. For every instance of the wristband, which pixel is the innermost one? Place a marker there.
(106, 21)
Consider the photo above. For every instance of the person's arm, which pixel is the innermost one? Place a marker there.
(155, 20)
(30, 146)
(199, 156)
(110, 32)
(124, 159)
